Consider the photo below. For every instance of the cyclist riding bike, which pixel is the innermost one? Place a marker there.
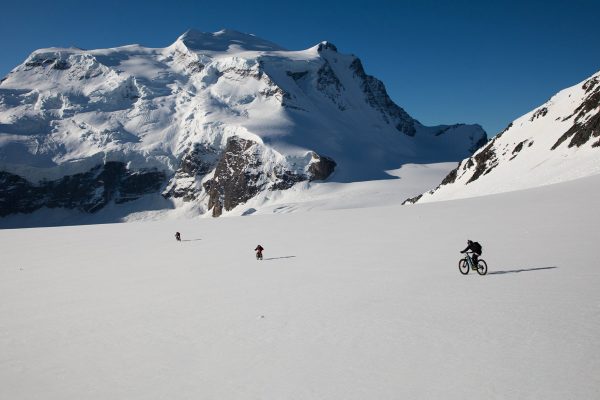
(475, 248)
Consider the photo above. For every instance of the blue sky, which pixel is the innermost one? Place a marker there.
(442, 61)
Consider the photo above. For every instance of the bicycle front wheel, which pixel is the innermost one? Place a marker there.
(463, 267)
(481, 267)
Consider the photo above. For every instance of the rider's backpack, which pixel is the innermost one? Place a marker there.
(476, 247)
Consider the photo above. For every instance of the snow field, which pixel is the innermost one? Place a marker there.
(347, 304)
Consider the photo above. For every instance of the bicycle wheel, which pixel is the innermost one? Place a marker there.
(463, 267)
(481, 267)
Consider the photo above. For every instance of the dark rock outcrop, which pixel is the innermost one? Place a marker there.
(236, 178)
(326, 46)
(330, 85)
(196, 163)
(239, 175)
(412, 200)
(89, 191)
(296, 76)
(517, 149)
(539, 113)
(583, 130)
(485, 161)
(321, 168)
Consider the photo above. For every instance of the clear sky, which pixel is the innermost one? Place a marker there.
(485, 62)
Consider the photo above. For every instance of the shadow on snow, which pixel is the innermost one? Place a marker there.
(277, 258)
(514, 271)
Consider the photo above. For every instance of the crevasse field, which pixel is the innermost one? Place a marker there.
(364, 302)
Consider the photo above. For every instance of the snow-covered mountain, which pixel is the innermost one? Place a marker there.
(558, 141)
(211, 120)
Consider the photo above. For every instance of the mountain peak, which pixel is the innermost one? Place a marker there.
(226, 40)
(325, 45)
(213, 120)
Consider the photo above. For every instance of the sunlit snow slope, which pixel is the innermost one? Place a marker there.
(358, 304)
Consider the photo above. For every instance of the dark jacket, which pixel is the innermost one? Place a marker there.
(259, 248)
(474, 247)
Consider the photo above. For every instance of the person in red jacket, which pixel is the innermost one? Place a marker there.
(259, 249)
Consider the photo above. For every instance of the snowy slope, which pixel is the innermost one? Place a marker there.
(165, 120)
(349, 304)
(558, 141)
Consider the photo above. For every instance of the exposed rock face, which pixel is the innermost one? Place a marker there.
(194, 165)
(89, 191)
(240, 174)
(320, 168)
(236, 178)
(329, 84)
(584, 129)
(485, 161)
(378, 98)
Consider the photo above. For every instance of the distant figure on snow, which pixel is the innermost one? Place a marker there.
(475, 248)
(259, 249)
(178, 236)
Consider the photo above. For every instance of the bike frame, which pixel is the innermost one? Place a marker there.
(469, 259)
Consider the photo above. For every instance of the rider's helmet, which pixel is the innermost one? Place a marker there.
(469, 241)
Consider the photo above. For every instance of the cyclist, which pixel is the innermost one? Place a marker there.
(475, 248)
(259, 249)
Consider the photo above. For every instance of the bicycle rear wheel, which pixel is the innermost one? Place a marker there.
(481, 267)
(463, 267)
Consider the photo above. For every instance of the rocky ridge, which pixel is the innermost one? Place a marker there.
(557, 141)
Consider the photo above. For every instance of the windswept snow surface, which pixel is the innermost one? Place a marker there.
(364, 303)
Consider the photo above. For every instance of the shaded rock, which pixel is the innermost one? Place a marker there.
(89, 191)
(539, 113)
(61, 65)
(450, 178)
(486, 160)
(296, 75)
(321, 167)
(329, 84)
(412, 200)
(326, 46)
(582, 131)
(194, 165)
(377, 96)
(518, 149)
